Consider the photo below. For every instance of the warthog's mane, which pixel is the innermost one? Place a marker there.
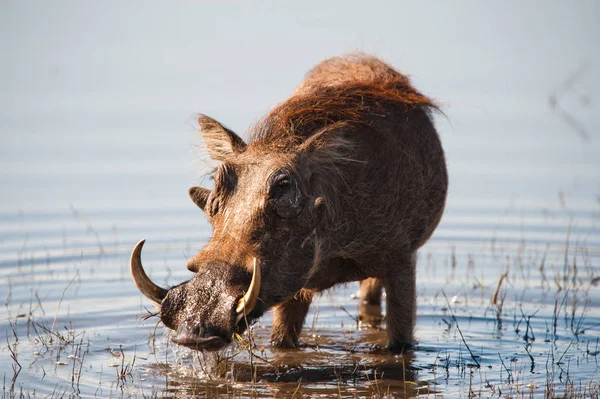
(351, 89)
(353, 105)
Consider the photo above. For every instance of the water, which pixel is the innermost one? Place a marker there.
(97, 152)
(71, 308)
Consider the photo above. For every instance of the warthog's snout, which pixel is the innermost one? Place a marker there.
(206, 311)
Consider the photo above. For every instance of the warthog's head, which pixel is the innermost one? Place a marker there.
(265, 208)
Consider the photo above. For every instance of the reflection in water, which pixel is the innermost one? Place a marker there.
(370, 315)
(322, 366)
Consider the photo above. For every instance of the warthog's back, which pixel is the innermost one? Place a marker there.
(351, 69)
(390, 189)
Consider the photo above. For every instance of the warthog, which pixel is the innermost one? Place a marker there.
(342, 182)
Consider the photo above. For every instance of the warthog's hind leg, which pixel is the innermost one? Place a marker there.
(288, 319)
(370, 290)
(369, 311)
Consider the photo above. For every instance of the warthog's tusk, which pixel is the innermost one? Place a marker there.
(247, 303)
(152, 291)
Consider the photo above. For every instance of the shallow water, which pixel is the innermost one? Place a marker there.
(71, 310)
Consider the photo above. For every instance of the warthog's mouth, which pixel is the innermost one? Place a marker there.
(195, 342)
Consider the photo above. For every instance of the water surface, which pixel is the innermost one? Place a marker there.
(71, 310)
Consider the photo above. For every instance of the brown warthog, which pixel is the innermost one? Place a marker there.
(342, 182)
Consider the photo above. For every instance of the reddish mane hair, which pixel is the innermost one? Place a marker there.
(353, 95)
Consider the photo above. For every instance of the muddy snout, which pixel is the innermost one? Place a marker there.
(201, 313)
(206, 311)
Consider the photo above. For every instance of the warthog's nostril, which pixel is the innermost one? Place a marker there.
(209, 332)
(197, 330)
(202, 331)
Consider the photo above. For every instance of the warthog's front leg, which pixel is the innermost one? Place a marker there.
(288, 319)
(401, 301)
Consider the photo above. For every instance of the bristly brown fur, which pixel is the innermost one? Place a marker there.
(353, 90)
(343, 182)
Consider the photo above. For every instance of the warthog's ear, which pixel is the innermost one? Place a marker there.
(199, 195)
(221, 143)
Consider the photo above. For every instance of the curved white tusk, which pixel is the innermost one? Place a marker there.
(152, 291)
(247, 303)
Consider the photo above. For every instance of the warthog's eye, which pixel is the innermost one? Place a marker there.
(280, 184)
(284, 182)
(284, 195)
